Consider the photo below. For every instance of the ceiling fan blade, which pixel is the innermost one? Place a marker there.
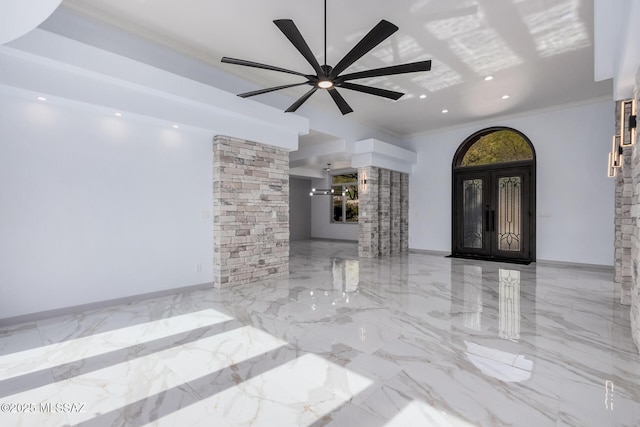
(340, 102)
(373, 90)
(373, 38)
(388, 71)
(300, 101)
(258, 65)
(270, 89)
(290, 30)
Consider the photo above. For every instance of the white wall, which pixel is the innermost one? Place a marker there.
(299, 209)
(575, 199)
(95, 207)
(321, 225)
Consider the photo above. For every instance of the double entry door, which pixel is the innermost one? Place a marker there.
(492, 213)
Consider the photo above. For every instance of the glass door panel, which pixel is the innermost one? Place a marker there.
(511, 202)
(509, 213)
(471, 201)
(472, 212)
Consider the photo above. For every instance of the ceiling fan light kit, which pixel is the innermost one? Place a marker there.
(330, 78)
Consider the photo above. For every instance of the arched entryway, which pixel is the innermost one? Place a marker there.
(494, 196)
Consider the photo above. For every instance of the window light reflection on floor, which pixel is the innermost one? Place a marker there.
(111, 388)
(299, 392)
(94, 345)
(420, 413)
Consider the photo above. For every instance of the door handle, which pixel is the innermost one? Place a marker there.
(486, 221)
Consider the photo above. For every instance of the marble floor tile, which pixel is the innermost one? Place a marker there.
(405, 340)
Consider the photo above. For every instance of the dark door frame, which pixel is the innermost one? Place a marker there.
(488, 171)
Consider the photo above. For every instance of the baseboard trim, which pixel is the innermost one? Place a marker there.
(325, 239)
(429, 252)
(593, 267)
(64, 311)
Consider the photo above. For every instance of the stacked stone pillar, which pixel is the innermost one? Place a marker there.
(383, 204)
(635, 234)
(623, 228)
(396, 211)
(404, 212)
(251, 211)
(384, 211)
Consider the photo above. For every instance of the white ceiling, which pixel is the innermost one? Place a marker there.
(540, 52)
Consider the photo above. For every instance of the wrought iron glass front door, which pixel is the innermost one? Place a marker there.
(492, 212)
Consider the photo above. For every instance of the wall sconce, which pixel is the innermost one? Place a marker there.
(628, 122)
(363, 182)
(611, 171)
(626, 136)
(616, 151)
(615, 157)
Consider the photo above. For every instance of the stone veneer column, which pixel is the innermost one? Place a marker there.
(623, 228)
(404, 212)
(635, 235)
(251, 211)
(395, 212)
(384, 211)
(368, 212)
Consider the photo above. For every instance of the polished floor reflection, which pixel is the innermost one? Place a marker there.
(407, 340)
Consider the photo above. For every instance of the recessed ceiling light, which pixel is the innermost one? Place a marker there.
(488, 78)
(445, 111)
(42, 98)
(117, 114)
(176, 126)
(506, 96)
(423, 96)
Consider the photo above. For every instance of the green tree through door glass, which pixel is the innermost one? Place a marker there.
(497, 147)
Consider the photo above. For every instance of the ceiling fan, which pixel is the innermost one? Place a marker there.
(329, 78)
